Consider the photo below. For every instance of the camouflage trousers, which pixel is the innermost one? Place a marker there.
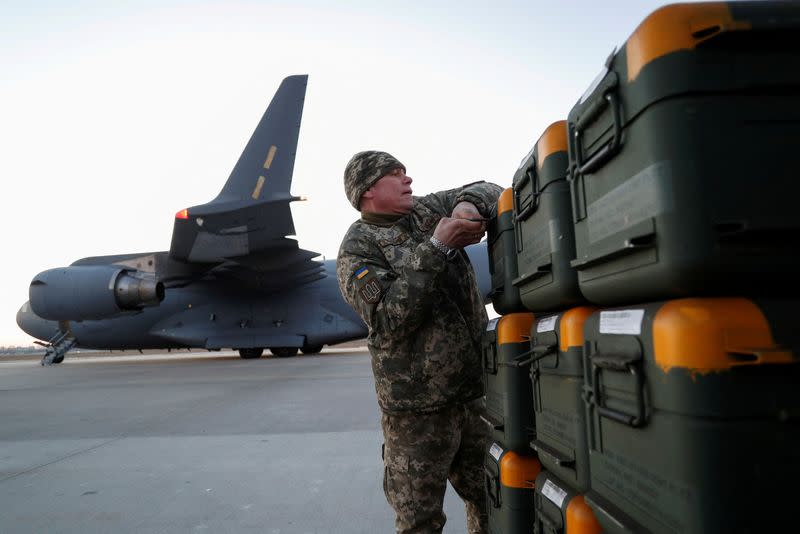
(422, 452)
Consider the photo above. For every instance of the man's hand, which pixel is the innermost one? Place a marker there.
(459, 232)
(466, 210)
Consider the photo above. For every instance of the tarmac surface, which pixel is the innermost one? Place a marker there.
(194, 442)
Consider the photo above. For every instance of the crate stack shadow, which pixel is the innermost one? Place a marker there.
(643, 375)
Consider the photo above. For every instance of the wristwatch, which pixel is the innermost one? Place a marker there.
(444, 249)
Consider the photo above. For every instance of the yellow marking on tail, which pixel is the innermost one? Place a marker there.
(259, 186)
(270, 156)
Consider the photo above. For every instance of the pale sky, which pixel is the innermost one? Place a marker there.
(116, 115)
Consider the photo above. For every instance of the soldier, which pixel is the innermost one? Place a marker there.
(402, 268)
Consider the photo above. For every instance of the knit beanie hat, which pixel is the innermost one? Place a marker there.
(364, 169)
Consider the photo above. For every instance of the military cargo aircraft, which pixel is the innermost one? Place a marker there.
(232, 277)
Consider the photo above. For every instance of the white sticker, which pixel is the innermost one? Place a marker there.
(554, 493)
(495, 451)
(492, 324)
(548, 324)
(621, 322)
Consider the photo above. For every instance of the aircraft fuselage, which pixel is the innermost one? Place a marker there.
(219, 315)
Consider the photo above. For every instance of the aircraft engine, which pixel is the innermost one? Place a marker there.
(91, 292)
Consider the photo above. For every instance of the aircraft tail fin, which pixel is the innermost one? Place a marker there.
(251, 214)
(264, 170)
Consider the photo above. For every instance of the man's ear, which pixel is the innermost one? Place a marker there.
(368, 193)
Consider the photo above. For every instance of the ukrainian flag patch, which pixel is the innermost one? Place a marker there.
(368, 286)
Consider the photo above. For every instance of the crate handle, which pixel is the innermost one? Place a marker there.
(533, 178)
(492, 422)
(629, 246)
(540, 271)
(494, 498)
(611, 148)
(759, 356)
(559, 458)
(528, 357)
(619, 363)
(516, 201)
(520, 213)
(490, 359)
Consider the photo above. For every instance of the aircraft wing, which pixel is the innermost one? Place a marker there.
(284, 265)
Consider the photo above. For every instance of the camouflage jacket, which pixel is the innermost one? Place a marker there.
(424, 312)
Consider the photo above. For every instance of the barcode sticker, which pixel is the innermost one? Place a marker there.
(548, 324)
(496, 451)
(554, 493)
(492, 324)
(621, 322)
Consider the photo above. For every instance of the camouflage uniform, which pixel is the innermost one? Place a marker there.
(425, 318)
(423, 451)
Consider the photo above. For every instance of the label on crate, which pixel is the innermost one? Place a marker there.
(554, 493)
(630, 208)
(548, 324)
(492, 324)
(496, 451)
(621, 322)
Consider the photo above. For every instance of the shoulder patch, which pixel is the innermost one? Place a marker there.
(369, 287)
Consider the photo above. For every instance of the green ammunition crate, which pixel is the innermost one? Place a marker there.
(543, 225)
(503, 257)
(510, 480)
(559, 413)
(560, 509)
(509, 400)
(682, 157)
(692, 415)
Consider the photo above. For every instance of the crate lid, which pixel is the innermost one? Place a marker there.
(517, 471)
(714, 334)
(677, 27)
(514, 328)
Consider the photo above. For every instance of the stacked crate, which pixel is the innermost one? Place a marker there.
(683, 188)
(558, 379)
(548, 286)
(692, 409)
(511, 467)
(656, 243)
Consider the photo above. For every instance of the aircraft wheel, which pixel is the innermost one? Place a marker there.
(58, 359)
(283, 352)
(311, 349)
(251, 353)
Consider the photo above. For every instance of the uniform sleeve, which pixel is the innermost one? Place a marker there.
(388, 301)
(483, 194)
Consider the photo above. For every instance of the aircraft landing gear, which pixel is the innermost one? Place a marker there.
(248, 354)
(311, 349)
(57, 348)
(283, 352)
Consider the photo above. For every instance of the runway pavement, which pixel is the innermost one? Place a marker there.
(194, 442)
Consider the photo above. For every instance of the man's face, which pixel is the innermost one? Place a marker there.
(392, 193)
